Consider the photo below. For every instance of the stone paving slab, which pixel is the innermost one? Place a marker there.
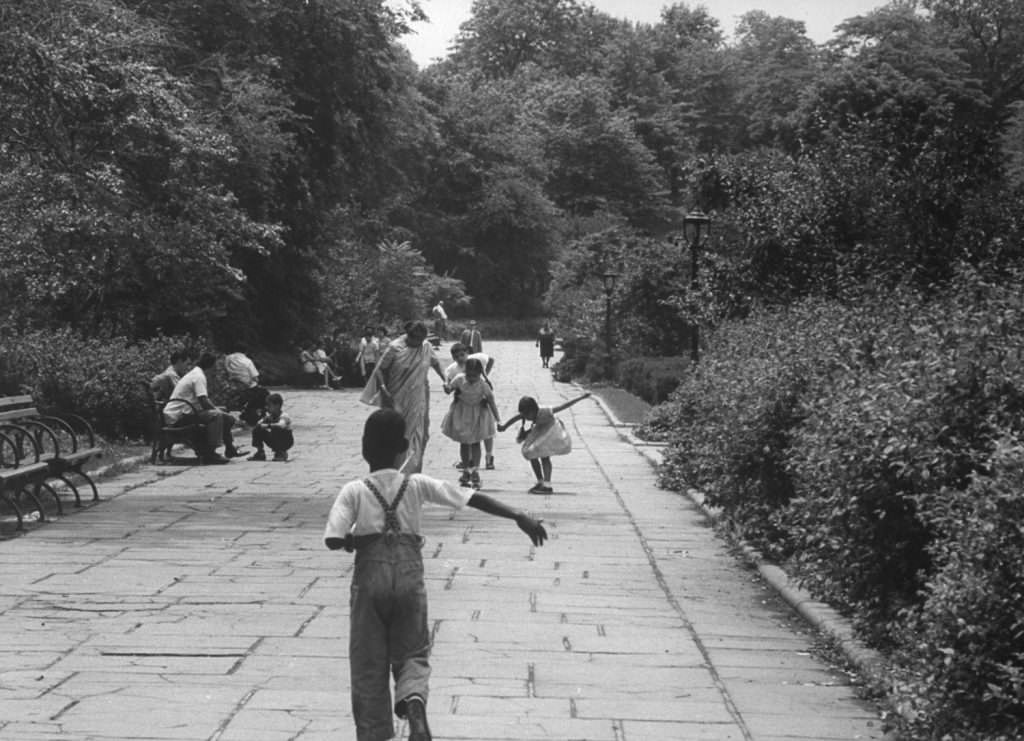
(198, 603)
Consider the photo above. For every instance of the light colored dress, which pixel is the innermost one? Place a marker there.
(404, 372)
(469, 418)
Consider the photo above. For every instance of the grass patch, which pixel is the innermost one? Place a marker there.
(627, 408)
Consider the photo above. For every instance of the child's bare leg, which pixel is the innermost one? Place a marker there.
(465, 454)
(489, 451)
(545, 464)
(474, 455)
(535, 465)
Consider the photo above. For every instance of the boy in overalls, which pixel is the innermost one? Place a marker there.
(379, 518)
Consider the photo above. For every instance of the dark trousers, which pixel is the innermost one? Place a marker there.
(389, 635)
(276, 438)
(254, 402)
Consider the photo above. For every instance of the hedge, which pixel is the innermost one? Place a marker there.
(871, 445)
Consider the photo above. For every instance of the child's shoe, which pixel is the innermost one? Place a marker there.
(281, 456)
(540, 488)
(259, 455)
(464, 478)
(490, 463)
(474, 479)
(416, 714)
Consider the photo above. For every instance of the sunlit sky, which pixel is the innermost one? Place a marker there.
(431, 41)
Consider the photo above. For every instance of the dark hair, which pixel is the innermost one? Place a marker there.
(458, 347)
(527, 405)
(179, 355)
(384, 432)
(474, 364)
(415, 326)
(275, 398)
(206, 360)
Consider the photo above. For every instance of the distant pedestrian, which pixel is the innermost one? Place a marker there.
(369, 353)
(546, 343)
(545, 438)
(274, 430)
(471, 418)
(379, 518)
(440, 320)
(472, 338)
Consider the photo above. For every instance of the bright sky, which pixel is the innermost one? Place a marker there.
(432, 40)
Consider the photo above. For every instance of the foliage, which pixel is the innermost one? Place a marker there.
(963, 638)
(859, 440)
(103, 379)
(652, 379)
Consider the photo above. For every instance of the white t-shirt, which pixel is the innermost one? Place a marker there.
(191, 386)
(357, 511)
(455, 369)
(241, 369)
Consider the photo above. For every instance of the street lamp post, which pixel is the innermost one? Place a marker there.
(609, 278)
(695, 225)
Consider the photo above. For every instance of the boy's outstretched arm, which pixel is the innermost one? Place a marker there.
(527, 524)
(569, 403)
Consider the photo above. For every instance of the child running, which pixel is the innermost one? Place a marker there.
(274, 429)
(546, 437)
(379, 518)
(471, 418)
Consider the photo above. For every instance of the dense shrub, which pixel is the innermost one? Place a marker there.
(100, 379)
(652, 379)
(965, 640)
(859, 440)
(730, 421)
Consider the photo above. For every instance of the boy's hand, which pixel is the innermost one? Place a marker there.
(533, 528)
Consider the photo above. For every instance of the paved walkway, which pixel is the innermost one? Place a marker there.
(198, 603)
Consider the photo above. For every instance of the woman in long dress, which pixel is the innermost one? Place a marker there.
(400, 382)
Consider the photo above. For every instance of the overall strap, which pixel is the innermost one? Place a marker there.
(390, 514)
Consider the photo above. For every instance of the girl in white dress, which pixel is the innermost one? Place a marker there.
(471, 419)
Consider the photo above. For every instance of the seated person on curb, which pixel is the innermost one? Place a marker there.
(273, 430)
(192, 388)
(162, 385)
(243, 375)
(379, 518)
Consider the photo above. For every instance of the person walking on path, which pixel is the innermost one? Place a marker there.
(546, 343)
(400, 382)
(379, 518)
(546, 437)
(471, 418)
(440, 321)
(460, 354)
(369, 353)
(274, 430)
(472, 338)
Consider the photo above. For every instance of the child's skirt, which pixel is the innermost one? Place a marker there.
(546, 441)
(468, 423)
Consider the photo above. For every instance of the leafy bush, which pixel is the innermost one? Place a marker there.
(652, 379)
(861, 441)
(964, 643)
(100, 379)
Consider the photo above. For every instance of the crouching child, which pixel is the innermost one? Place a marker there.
(273, 430)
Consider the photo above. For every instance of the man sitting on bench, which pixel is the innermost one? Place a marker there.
(192, 388)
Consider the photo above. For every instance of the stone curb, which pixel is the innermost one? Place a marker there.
(822, 617)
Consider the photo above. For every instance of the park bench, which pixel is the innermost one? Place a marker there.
(164, 436)
(22, 478)
(38, 448)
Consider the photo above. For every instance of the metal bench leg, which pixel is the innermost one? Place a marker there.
(74, 489)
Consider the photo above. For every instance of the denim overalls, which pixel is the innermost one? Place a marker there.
(389, 632)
